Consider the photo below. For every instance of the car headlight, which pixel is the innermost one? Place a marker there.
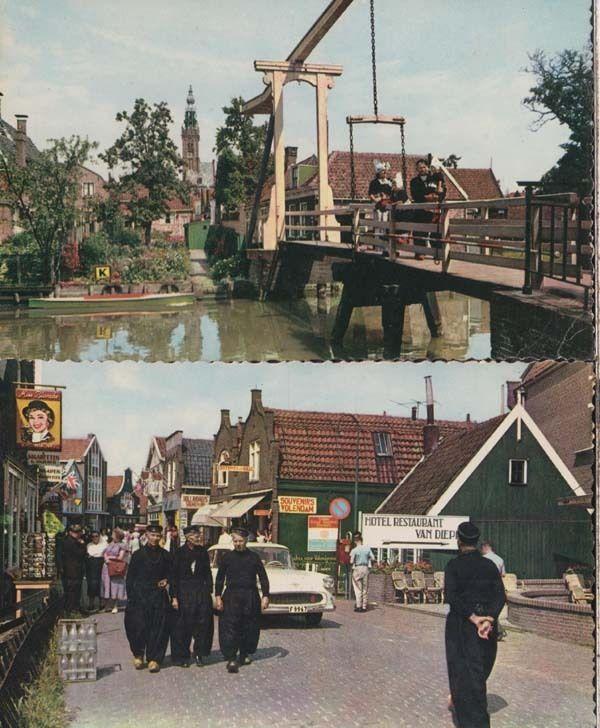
(328, 582)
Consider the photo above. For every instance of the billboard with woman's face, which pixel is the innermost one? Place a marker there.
(39, 419)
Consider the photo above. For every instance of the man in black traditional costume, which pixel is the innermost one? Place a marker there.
(191, 593)
(474, 591)
(148, 604)
(240, 605)
(72, 565)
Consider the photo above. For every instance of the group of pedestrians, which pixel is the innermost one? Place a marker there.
(99, 557)
(170, 597)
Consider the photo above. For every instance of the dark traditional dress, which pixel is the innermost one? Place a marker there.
(191, 585)
(239, 623)
(419, 188)
(73, 557)
(472, 586)
(148, 605)
(93, 573)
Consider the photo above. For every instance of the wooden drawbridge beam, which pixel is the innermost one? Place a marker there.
(263, 104)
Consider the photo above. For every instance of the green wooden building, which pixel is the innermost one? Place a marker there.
(507, 477)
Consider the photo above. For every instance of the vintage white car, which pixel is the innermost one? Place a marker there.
(293, 591)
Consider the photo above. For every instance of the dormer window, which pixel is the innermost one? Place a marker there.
(383, 444)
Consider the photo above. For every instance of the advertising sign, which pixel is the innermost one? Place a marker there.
(322, 533)
(192, 501)
(406, 531)
(50, 473)
(235, 468)
(297, 504)
(39, 419)
(102, 272)
(39, 457)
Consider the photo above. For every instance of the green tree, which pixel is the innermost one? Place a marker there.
(564, 92)
(149, 165)
(44, 194)
(239, 147)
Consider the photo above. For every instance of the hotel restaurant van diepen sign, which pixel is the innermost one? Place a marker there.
(382, 530)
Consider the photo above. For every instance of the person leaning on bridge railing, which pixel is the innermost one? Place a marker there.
(427, 186)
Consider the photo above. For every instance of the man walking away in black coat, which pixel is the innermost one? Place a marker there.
(474, 591)
(191, 597)
(73, 555)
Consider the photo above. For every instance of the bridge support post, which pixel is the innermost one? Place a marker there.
(343, 315)
(393, 308)
(432, 313)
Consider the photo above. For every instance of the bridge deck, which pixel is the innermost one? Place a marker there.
(463, 273)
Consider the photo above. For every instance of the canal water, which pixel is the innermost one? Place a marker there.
(238, 330)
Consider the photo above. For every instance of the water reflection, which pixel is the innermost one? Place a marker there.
(241, 330)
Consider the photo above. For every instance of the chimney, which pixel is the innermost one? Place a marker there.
(256, 398)
(20, 139)
(413, 413)
(225, 421)
(511, 393)
(468, 417)
(291, 156)
(1, 96)
(431, 432)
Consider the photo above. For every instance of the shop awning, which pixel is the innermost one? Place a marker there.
(203, 516)
(236, 508)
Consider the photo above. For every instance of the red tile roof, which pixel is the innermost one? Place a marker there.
(425, 485)
(478, 183)
(73, 448)
(161, 444)
(537, 369)
(322, 445)
(113, 485)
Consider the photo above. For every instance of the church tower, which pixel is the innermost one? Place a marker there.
(190, 142)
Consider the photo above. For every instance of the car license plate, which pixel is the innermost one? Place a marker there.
(297, 609)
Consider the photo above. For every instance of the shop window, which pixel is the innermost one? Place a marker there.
(254, 460)
(517, 472)
(383, 444)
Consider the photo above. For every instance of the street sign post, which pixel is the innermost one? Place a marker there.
(340, 508)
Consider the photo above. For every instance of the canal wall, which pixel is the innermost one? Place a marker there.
(533, 327)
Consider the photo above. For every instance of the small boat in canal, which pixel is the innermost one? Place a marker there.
(113, 302)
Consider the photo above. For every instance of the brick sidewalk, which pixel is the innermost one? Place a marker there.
(306, 677)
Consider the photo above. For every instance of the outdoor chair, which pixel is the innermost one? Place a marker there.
(434, 590)
(400, 585)
(510, 582)
(417, 586)
(580, 596)
(577, 592)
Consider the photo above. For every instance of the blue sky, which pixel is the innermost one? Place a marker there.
(126, 403)
(454, 69)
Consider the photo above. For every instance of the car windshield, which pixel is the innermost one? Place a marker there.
(268, 555)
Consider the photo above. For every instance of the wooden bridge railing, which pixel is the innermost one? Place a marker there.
(545, 236)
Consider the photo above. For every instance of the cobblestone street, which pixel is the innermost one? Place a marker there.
(383, 668)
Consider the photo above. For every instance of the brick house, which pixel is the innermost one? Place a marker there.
(508, 478)
(178, 478)
(121, 501)
(302, 182)
(86, 453)
(318, 455)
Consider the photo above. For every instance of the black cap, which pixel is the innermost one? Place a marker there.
(76, 528)
(191, 529)
(243, 532)
(154, 528)
(357, 534)
(468, 533)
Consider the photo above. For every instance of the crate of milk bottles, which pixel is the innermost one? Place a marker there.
(77, 649)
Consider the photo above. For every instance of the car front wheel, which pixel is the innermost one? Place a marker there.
(312, 620)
